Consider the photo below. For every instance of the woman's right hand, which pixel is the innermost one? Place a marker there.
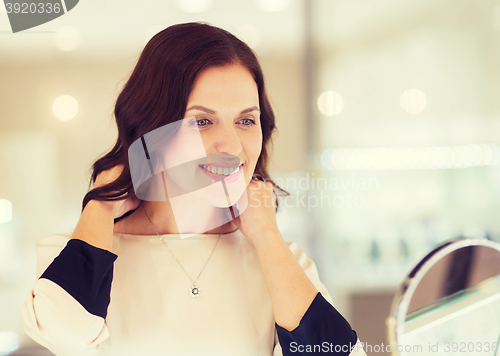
(119, 207)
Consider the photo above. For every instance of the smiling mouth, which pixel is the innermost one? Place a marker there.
(228, 171)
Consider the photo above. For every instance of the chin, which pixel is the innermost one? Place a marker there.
(220, 201)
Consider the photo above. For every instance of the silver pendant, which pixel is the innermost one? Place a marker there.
(194, 291)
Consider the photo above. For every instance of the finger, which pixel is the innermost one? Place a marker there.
(254, 185)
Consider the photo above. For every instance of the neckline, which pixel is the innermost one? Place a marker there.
(177, 236)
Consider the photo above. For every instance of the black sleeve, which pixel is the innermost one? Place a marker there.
(86, 273)
(322, 331)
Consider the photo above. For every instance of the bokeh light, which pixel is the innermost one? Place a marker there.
(330, 103)
(65, 107)
(5, 211)
(413, 101)
(9, 342)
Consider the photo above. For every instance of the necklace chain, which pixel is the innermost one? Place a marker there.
(195, 291)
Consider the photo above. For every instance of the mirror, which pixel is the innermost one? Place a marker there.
(449, 304)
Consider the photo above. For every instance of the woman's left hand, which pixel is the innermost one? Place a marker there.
(259, 218)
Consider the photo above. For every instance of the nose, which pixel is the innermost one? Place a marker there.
(227, 141)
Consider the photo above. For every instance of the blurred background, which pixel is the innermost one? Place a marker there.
(388, 121)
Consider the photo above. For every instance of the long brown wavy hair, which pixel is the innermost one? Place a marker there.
(157, 92)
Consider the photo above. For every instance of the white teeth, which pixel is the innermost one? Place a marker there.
(222, 171)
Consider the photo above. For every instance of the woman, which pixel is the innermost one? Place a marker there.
(134, 285)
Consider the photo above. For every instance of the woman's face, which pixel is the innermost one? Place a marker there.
(222, 109)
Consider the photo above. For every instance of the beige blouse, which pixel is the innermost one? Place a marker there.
(151, 310)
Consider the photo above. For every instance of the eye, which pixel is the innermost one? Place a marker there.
(201, 122)
(247, 122)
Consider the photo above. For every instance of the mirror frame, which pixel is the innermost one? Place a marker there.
(395, 321)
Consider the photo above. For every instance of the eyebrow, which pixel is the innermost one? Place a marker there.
(210, 111)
